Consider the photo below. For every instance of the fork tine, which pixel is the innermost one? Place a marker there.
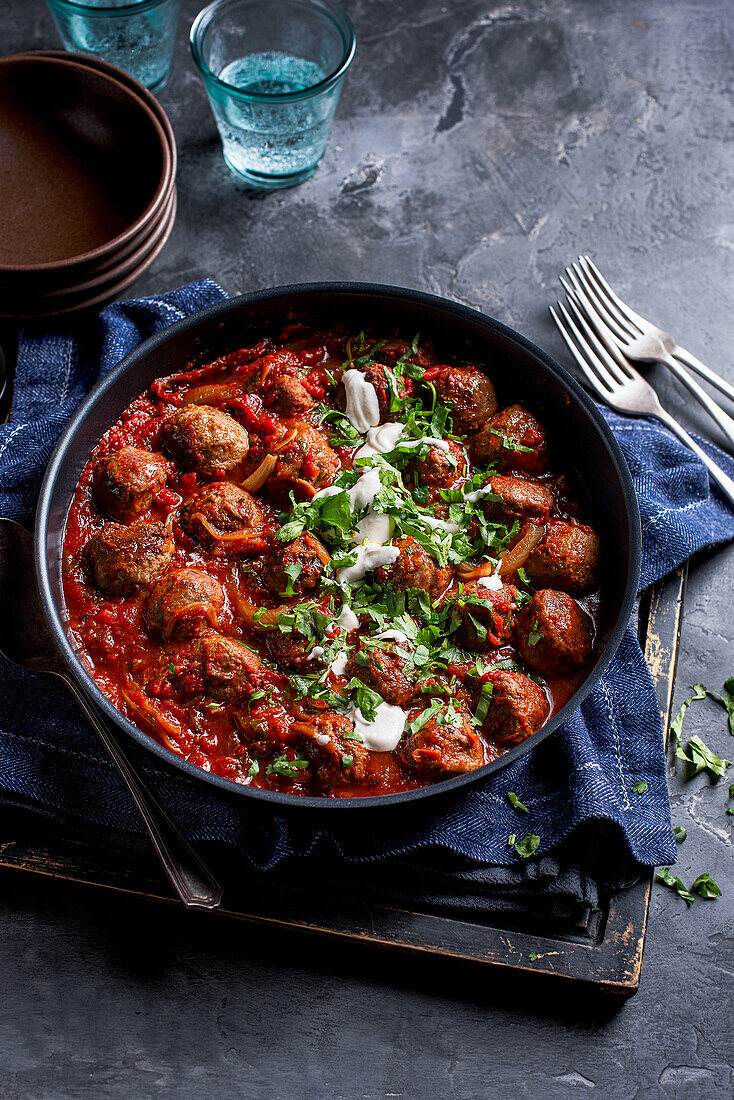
(633, 321)
(612, 359)
(603, 308)
(598, 376)
(577, 294)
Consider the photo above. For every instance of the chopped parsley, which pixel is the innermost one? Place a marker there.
(292, 571)
(680, 833)
(347, 760)
(508, 443)
(172, 669)
(535, 634)
(254, 770)
(702, 759)
(641, 787)
(705, 887)
(285, 767)
(533, 956)
(663, 874)
(516, 803)
(528, 846)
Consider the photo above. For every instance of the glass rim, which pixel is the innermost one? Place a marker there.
(129, 8)
(332, 11)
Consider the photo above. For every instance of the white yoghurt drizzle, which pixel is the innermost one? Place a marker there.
(385, 732)
(372, 532)
(363, 407)
(492, 582)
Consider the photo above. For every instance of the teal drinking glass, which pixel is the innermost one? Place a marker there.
(135, 35)
(273, 71)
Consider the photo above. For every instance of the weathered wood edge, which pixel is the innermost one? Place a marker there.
(611, 963)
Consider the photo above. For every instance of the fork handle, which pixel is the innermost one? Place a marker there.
(723, 419)
(700, 368)
(723, 480)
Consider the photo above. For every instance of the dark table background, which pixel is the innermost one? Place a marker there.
(478, 148)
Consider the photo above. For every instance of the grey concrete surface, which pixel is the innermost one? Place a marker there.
(478, 148)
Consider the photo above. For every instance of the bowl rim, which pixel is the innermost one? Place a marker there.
(161, 191)
(280, 801)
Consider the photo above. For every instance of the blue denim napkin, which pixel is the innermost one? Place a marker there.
(578, 783)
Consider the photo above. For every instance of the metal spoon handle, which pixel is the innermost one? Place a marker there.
(193, 882)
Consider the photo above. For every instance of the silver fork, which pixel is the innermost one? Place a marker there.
(618, 383)
(650, 347)
(606, 318)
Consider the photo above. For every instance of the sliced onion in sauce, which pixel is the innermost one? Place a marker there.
(514, 559)
(259, 476)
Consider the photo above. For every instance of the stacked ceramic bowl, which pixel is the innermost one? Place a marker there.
(87, 183)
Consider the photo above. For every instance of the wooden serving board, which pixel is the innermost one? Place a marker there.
(608, 957)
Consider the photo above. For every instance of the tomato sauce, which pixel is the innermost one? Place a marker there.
(160, 684)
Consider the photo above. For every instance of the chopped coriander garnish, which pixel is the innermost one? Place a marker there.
(680, 833)
(288, 768)
(705, 887)
(292, 571)
(172, 669)
(703, 759)
(676, 726)
(516, 803)
(528, 846)
(254, 770)
(533, 956)
(508, 443)
(535, 634)
(641, 787)
(347, 760)
(674, 883)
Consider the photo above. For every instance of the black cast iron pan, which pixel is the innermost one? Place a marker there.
(581, 440)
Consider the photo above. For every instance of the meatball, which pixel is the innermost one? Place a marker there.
(441, 469)
(487, 616)
(123, 559)
(295, 568)
(519, 499)
(181, 604)
(508, 431)
(126, 482)
(290, 650)
(469, 394)
(336, 760)
(205, 440)
(553, 635)
(222, 516)
(288, 396)
(232, 671)
(567, 558)
(414, 568)
(518, 707)
(446, 745)
(383, 670)
(307, 463)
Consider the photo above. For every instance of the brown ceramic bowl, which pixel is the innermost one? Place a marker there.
(57, 283)
(110, 275)
(96, 292)
(85, 168)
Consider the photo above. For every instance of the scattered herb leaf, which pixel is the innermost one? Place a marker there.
(516, 803)
(705, 887)
(528, 846)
